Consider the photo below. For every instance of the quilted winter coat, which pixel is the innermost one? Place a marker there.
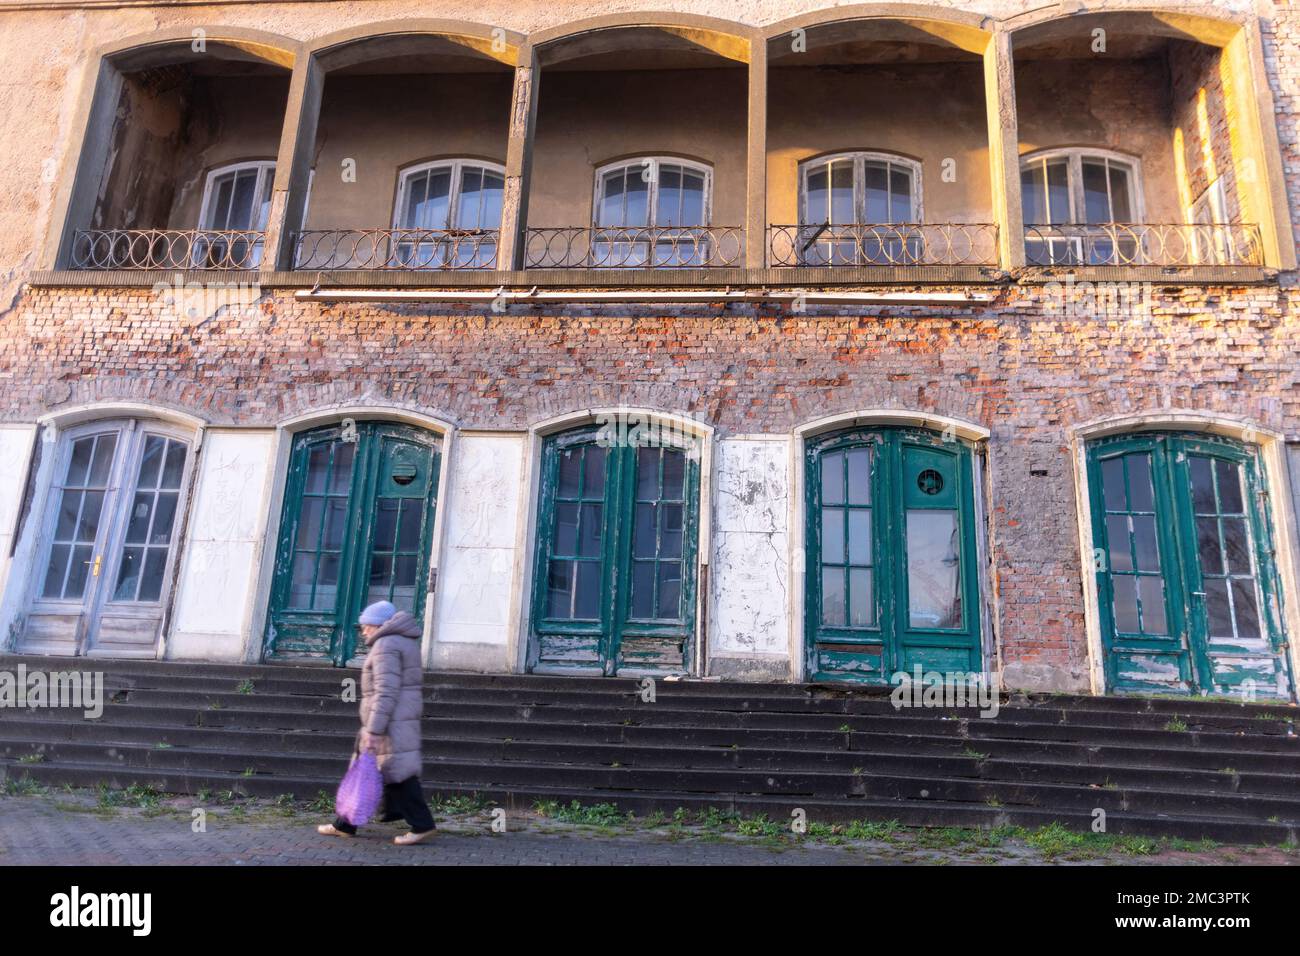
(392, 696)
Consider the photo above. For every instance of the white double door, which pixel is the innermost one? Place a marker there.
(104, 563)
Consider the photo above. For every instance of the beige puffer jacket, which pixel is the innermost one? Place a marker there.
(392, 696)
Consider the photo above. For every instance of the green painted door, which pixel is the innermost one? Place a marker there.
(358, 520)
(1186, 582)
(890, 547)
(614, 584)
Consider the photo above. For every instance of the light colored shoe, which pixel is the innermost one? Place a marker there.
(329, 829)
(410, 837)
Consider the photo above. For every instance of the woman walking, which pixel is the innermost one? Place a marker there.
(392, 700)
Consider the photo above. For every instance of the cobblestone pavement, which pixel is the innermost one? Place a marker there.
(83, 829)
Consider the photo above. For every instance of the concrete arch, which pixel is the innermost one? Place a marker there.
(725, 38)
(1281, 514)
(894, 21)
(961, 428)
(1202, 23)
(80, 414)
(331, 415)
(370, 41)
(158, 47)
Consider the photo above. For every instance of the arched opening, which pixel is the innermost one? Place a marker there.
(617, 535)
(107, 537)
(1188, 594)
(580, 216)
(357, 526)
(891, 573)
(168, 118)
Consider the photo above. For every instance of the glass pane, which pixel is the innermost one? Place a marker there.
(381, 578)
(103, 462)
(1243, 602)
(643, 589)
(151, 580)
(842, 193)
(1207, 545)
(1141, 494)
(1202, 486)
(404, 570)
(79, 465)
(900, 195)
(1151, 590)
(1229, 476)
(341, 478)
(859, 461)
(1121, 207)
(1144, 541)
(304, 573)
(610, 212)
(570, 472)
(1236, 545)
(1112, 483)
(309, 522)
(150, 463)
(833, 596)
(647, 474)
(587, 601)
(175, 466)
(1126, 615)
(674, 474)
(54, 574)
(693, 200)
(860, 536)
(1096, 195)
(242, 202)
(670, 530)
(128, 575)
(817, 200)
(1033, 194)
(88, 526)
(385, 532)
(862, 605)
(408, 527)
(69, 508)
(670, 589)
(559, 589)
(833, 535)
(643, 534)
(590, 530)
(78, 572)
(877, 193)
(933, 569)
(336, 519)
(318, 460)
(668, 210)
(637, 211)
(471, 186)
(494, 186)
(593, 484)
(833, 479)
(1217, 608)
(566, 528)
(429, 206)
(1117, 538)
(163, 519)
(1058, 192)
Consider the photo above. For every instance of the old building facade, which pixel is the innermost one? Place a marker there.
(794, 342)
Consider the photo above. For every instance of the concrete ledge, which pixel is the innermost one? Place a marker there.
(755, 669)
(478, 658)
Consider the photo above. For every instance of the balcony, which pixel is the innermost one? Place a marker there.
(1144, 244)
(884, 244)
(188, 249)
(684, 247)
(411, 250)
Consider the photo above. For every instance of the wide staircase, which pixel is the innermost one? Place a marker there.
(1156, 766)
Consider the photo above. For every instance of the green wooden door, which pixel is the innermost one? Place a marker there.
(358, 520)
(1186, 582)
(890, 570)
(614, 584)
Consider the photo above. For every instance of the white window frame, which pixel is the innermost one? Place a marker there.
(652, 164)
(265, 176)
(1074, 156)
(453, 200)
(860, 158)
(1210, 209)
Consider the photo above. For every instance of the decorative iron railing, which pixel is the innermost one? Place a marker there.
(1144, 244)
(397, 249)
(884, 244)
(649, 247)
(204, 249)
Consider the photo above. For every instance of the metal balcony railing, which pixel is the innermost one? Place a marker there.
(647, 247)
(396, 249)
(1144, 244)
(203, 249)
(884, 244)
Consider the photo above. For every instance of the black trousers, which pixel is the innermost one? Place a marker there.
(402, 801)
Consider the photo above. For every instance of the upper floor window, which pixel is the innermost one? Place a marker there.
(236, 198)
(1064, 190)
(461, 201)
(854, 209)
(651, 211)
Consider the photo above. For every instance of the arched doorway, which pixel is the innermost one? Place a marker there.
(356, 527)
(107, 547)
(1186, 582)
(615, 579)
(890, 555)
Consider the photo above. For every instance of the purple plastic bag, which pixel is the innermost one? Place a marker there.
(360, 792)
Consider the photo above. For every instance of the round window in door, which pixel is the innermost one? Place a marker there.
(357, 525)
(1186, 584)
(890, 538)
(108, 542)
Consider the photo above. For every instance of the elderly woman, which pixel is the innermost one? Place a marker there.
(392, 700)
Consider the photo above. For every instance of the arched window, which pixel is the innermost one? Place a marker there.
(448, 214)
(851, 207)
(651, 211)
(1065, 191)
(236, 199)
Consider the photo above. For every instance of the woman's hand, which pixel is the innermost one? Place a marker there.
(370, 742)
